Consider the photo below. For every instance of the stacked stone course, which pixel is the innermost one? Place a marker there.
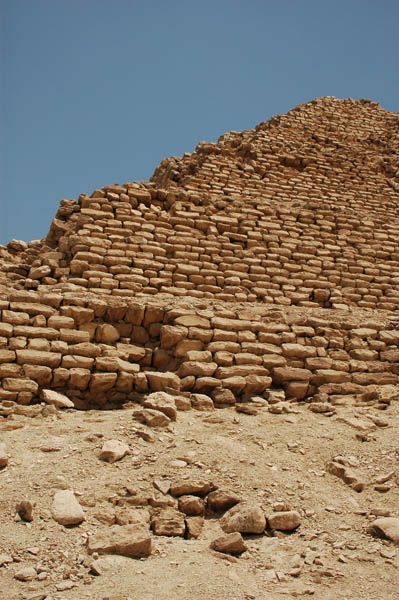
(210, 277)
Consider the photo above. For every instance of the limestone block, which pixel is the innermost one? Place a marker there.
(79, 378)
(171, 335)
(15, 318)
(102, 382)
(169, 522)
(7, 356)
(20, 385)
(284, 375)
(107, 333)
(198, 369)
(160, 381)
(244, 518)
(42, 375)
(56, 399)
(298, 351)
(74, 336)
(163, 402)
(193, 321)
(133, 540)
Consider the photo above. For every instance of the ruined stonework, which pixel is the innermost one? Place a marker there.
(265, 262)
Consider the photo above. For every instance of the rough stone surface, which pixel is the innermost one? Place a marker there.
(244, 518)
(231, 543)
(66, 510)
(386, 527)
(284, 520)
(113, 450)
(133, 541)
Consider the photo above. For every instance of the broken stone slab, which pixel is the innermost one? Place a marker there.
(162, 485)
(101, 565)
(386, 528)
(202, 402)
(56, 399)
(231, 543)
(25, 574)
(151, 417)
(113, 450)
(159, 381)
(244, 518)
(194, 526)
(191, 505)
(191, 487)
(169, 522)
(3, 456)
(133, 541)
(162, 402)
(347, 475)
(66, 510)
(284, 520)
(220, 500)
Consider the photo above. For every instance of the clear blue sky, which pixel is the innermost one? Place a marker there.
(95, 92)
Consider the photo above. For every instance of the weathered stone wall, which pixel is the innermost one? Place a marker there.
(168, 283)
(104, 353)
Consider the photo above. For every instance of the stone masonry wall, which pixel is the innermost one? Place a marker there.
(102, 353)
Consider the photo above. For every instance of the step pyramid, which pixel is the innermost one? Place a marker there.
(266, 260)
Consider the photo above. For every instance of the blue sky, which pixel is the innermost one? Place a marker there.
(94, 92)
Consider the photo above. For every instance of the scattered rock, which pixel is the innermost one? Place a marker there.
(347, 475)
(162, 485)
(191, 505)
(244, 518)
(163, 402)
(231, 543)
(25, 574)
(113, 450)
(386, 528)
(194, 526)
(56, 399)
(191, 487)
(66, 510)
(133, 541)
(25, 510)
(151, 417)
(284, 520)
(169, 522)
(222, 500)
(108, 563)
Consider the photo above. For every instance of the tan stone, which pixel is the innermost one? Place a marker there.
(287, 374)
(37, 357)
(231, 543)
(160, 381)
(133, 541)
(107, 334)
(284, 520)
(169, 522)
(243, 518)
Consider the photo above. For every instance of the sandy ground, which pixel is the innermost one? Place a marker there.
(265, 459)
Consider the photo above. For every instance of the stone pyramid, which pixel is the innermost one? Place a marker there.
(265, 262)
